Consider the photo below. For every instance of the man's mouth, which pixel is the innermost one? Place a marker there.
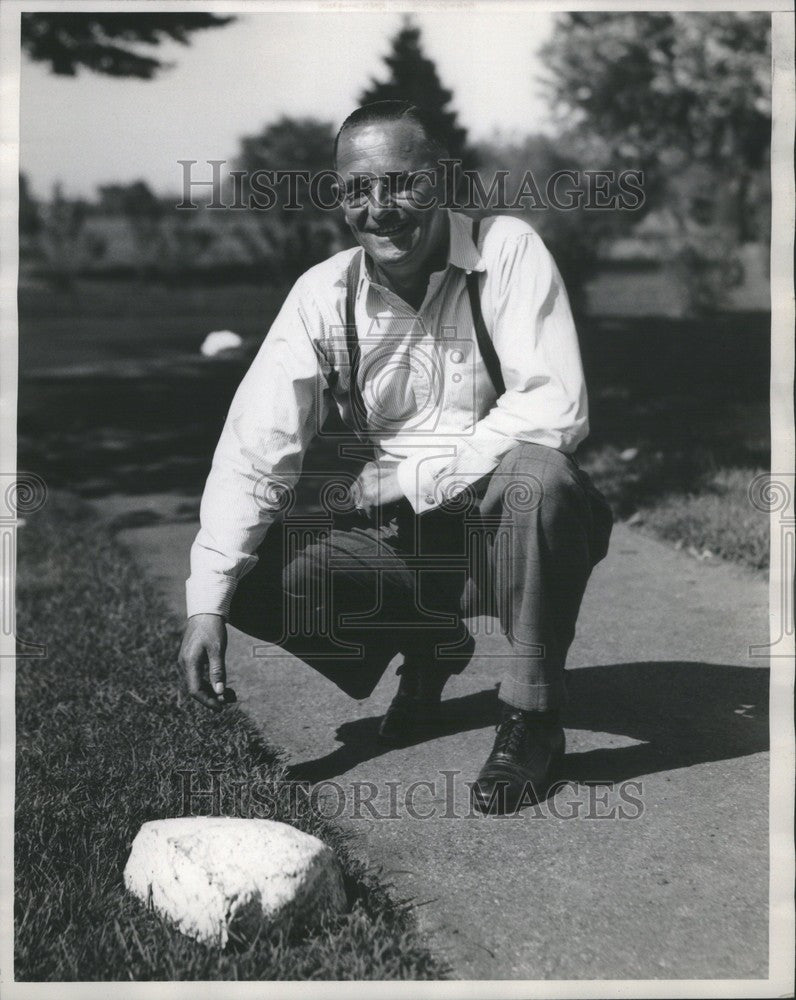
(390, 232)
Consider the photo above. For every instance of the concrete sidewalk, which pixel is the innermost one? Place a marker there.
(663, 694)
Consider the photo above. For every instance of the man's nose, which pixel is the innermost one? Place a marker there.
(381, 200)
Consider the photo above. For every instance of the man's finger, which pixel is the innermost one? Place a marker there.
(198, 687)
(361, 497)
(218, 674)
(208, 699)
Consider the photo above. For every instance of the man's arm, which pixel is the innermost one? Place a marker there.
(545, 399)
(276, 411)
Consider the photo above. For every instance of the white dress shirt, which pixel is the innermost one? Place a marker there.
(430, 405)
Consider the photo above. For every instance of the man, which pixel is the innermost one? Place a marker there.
(449, 347)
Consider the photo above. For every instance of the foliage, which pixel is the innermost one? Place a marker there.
(571, 236)
(29, 217)
(715, 519)
(685, 97)
(289, 144)
(135, 200)
(679, 417)
(108, 43)
(306, 236)
(413, 77)
(667, 89)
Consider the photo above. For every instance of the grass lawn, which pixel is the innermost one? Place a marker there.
(679, 408)
(103, 727)
(707, 513)
(719, 520)
(679, 414)
(98, 322)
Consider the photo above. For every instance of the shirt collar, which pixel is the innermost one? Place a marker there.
(462, 252)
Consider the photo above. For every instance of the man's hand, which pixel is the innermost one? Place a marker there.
(376, 486)
(202, 659)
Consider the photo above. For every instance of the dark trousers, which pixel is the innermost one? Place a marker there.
(346, 593)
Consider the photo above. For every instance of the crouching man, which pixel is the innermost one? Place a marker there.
(448, 348)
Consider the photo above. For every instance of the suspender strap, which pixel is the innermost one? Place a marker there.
(358, 413)
(485, 345)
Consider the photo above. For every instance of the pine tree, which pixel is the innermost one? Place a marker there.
(109, 42)
(413, 77)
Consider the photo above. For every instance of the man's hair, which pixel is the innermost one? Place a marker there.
(378, 112)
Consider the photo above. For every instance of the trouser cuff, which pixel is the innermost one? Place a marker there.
(532, 697)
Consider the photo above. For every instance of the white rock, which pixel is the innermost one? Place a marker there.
(219, 341)
(212, 874)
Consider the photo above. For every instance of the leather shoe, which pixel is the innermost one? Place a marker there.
(529, 747)
(416, 708)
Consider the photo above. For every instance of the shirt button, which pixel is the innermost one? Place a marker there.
(428, 498)
(468, 272)
(457, 357)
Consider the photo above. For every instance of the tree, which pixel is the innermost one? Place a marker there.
(136, 200)
(671, 93)
(288, 144)
(143, 211)
(308, 233)
(29, 218)
(107, 43)
(685, 97)
(573, 236)
(413, 77)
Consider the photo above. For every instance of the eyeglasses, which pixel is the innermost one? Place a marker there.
(402, 186)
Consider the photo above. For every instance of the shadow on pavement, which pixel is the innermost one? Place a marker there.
(682, 713)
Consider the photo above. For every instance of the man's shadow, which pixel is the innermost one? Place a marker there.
(680, 713)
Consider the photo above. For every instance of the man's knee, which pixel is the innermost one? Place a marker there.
(306, 577)
(535, 478)
(536, 458)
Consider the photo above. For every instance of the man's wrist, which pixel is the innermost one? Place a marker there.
(416, 481)
(209, 594)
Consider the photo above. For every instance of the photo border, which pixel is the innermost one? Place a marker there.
(781, 903)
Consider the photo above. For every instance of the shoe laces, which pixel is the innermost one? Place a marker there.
(511, 733)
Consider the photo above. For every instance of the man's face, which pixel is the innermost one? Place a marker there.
(395, 230)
